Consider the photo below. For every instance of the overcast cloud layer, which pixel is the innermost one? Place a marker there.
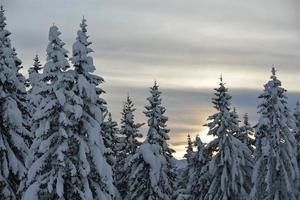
(184, 45)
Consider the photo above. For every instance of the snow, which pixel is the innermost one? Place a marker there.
(15, 135)
(276, 144)
(150, 154)
(181, 164)
(31, 192)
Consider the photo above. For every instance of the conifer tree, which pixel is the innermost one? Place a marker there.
(297, 130)
(110, 134)
(199, 178)
(34, 73)
(189, 150)
(128, 143)
(276, 173)
(235, 115)
(14, 134)
(247, 133)
(183, 178)
(50, 160)
(231, 166)
(34, 83)
(129, 129)
(297, 114)
(98, 175)
(152, 173)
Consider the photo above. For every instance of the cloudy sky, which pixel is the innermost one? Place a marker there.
(184, 45)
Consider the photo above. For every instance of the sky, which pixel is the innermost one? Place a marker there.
(184, 45)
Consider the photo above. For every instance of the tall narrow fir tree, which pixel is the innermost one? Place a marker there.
(128, 143)
(231, 166)
(276, 173)
(14, 129)
(152, 173)
(97, 174)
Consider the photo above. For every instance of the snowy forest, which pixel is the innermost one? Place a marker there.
(59, 141)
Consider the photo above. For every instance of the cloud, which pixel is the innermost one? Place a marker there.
(184, 45)
(187, 109)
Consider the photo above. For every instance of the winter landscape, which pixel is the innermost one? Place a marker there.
(68, 133)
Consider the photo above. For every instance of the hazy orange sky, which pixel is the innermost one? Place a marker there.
(184, 45)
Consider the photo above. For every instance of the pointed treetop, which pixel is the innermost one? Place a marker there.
(222, 84)
(155, 84)
(198, 139)
(222, 99)
(297, 109)
(36, 57)
(234, 109)
(83, 25)
(246, 118)
(54, 32)
(189, 139)
(154, 89)
(36, 64)
(128, 97)
(296, 114)
(2, 18)
(109, 116)
(198, 142)
(2, 9)
(273, 72)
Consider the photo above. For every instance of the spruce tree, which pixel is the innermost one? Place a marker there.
(129, 129)
(276, 173)
(152, 173)
(110, 135)
(199, 178)
(14, 130)
(189, 150)
(34, 82)
(50, 159)
(97, 176)
(183, 178)
(34, 74)
(231, 166)
(129, 143)
(297, 114)
(247, 133)
(297, 130)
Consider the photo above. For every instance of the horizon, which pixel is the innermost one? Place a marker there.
(183, 49)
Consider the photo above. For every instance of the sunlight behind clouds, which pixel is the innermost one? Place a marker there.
(185, 47)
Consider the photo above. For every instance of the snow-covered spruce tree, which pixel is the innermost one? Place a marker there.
(110, 135)
(14, 134)
(96, 173)
(129, 143)
(199, 179)
(297, 114)
(235, 115)
(152, 173)
(297, 131)
(184, 176)
(276, 173)
(129, 129)
(231, 166)
(247, 133)
(34, 83)
(51, 157)
(189, 150)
